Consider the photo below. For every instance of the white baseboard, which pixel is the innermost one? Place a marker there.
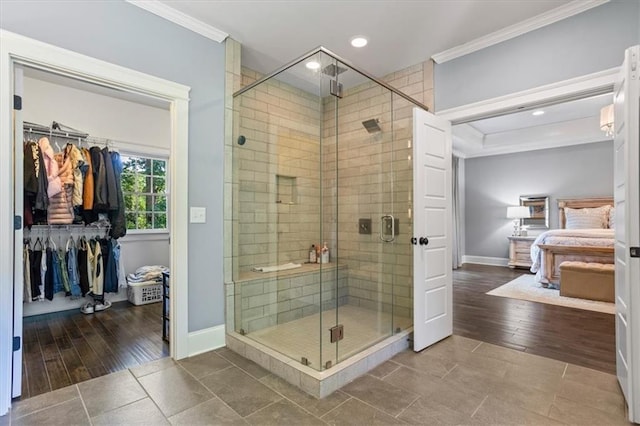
(206, 340)
(484, 260)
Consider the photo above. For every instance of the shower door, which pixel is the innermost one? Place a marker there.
(368, 224)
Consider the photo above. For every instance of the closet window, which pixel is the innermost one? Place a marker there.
(144, 185)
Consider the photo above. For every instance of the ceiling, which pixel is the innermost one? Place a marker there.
(401, 33)
(569, 123)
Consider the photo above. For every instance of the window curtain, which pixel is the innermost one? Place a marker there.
(456, 258)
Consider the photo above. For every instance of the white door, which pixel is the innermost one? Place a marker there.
(627, 229)
(16, 382)
(432, 276)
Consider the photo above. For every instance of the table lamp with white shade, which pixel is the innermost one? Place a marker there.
(517, 213)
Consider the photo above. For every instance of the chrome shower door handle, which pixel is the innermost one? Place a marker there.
(383, 221)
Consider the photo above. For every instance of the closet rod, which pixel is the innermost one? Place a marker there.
(47, 131)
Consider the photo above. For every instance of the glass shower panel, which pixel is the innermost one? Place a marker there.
(368, 227)
(277, 208)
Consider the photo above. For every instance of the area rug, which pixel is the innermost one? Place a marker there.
(525, 287)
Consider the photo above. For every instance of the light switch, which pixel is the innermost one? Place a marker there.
(198, 215)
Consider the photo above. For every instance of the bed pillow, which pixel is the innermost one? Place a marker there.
(612, 217)
(588, 218)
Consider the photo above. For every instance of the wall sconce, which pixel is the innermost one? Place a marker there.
(517, 213)
(606, 120)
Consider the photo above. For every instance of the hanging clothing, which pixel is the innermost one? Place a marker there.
(117, 216)
(54, 184)
(60, 210)
(110, 266)
(76, 159)
(112, 190)
(26, 273)
(101, 195)
(72, 269)
(48, 278)
(35, 264)
(83, 267)
(97, 269)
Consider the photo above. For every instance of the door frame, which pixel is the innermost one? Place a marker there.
(17, 49)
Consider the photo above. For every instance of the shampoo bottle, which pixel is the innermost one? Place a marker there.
(312, 254)
(325, 254)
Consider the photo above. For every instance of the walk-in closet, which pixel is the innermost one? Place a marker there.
(94, 184)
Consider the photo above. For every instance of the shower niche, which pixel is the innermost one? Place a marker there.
(309, 147)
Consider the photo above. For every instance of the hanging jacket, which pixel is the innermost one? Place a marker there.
(117, 217)
(77, 163)
(54, 184)
(30, 174)
(87, 188)
(60, 210)
(101, 195)
(112, 190)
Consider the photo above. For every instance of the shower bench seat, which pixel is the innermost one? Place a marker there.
(266, 299)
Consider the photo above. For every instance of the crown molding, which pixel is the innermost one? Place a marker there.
(180, 18)
(559, 13)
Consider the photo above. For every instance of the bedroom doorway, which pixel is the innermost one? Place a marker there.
(541, 98)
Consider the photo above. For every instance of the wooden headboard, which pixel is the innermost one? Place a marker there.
(580, 203)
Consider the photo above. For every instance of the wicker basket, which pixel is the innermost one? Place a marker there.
(144, 293)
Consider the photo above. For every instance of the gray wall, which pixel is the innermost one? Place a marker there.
(123, 34)
(592, 41)
(495, 182)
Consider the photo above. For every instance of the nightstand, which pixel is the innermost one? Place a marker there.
(520, 252)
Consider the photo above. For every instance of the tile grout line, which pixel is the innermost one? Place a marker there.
(478, 407)
(449, 371)
(474, 349)
(337, 406)
(376, 408)
(565, 369)
(48, 406)
(405, 408)
(146, 393)
(83, 404)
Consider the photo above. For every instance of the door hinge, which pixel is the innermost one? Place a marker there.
(335, 88)
(17, 223)
(17, 102)
(337, 333)
(16, 343)
(634, 251)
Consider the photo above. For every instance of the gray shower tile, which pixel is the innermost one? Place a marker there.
(64, 414)
(570, 412)
(425, 411)
(243, 363)
(380, 394)
(174, 390)
(283, 412)
(315, 406)
(357, 413)
(108, 392)
(203, 364)
(240, 391)
(213, 411)
(152, 367)
(45, 400)
(143, 412)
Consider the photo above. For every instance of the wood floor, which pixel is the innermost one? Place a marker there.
(575, 336)
(68, 347)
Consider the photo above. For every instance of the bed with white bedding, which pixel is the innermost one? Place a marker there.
(589, 239)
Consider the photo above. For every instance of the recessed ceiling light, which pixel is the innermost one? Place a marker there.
(538, 112)
(313, 65)
(359, 41)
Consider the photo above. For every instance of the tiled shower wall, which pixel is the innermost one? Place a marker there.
(282, 125)
(278, 168)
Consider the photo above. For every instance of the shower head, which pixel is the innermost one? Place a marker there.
(372, 125)
(332, 70)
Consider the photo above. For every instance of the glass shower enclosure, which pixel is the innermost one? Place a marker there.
(322, 187)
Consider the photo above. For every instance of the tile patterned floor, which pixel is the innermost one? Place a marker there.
(362, 329)
(457, 381)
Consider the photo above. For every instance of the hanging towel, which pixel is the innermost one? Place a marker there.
(284, 267)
